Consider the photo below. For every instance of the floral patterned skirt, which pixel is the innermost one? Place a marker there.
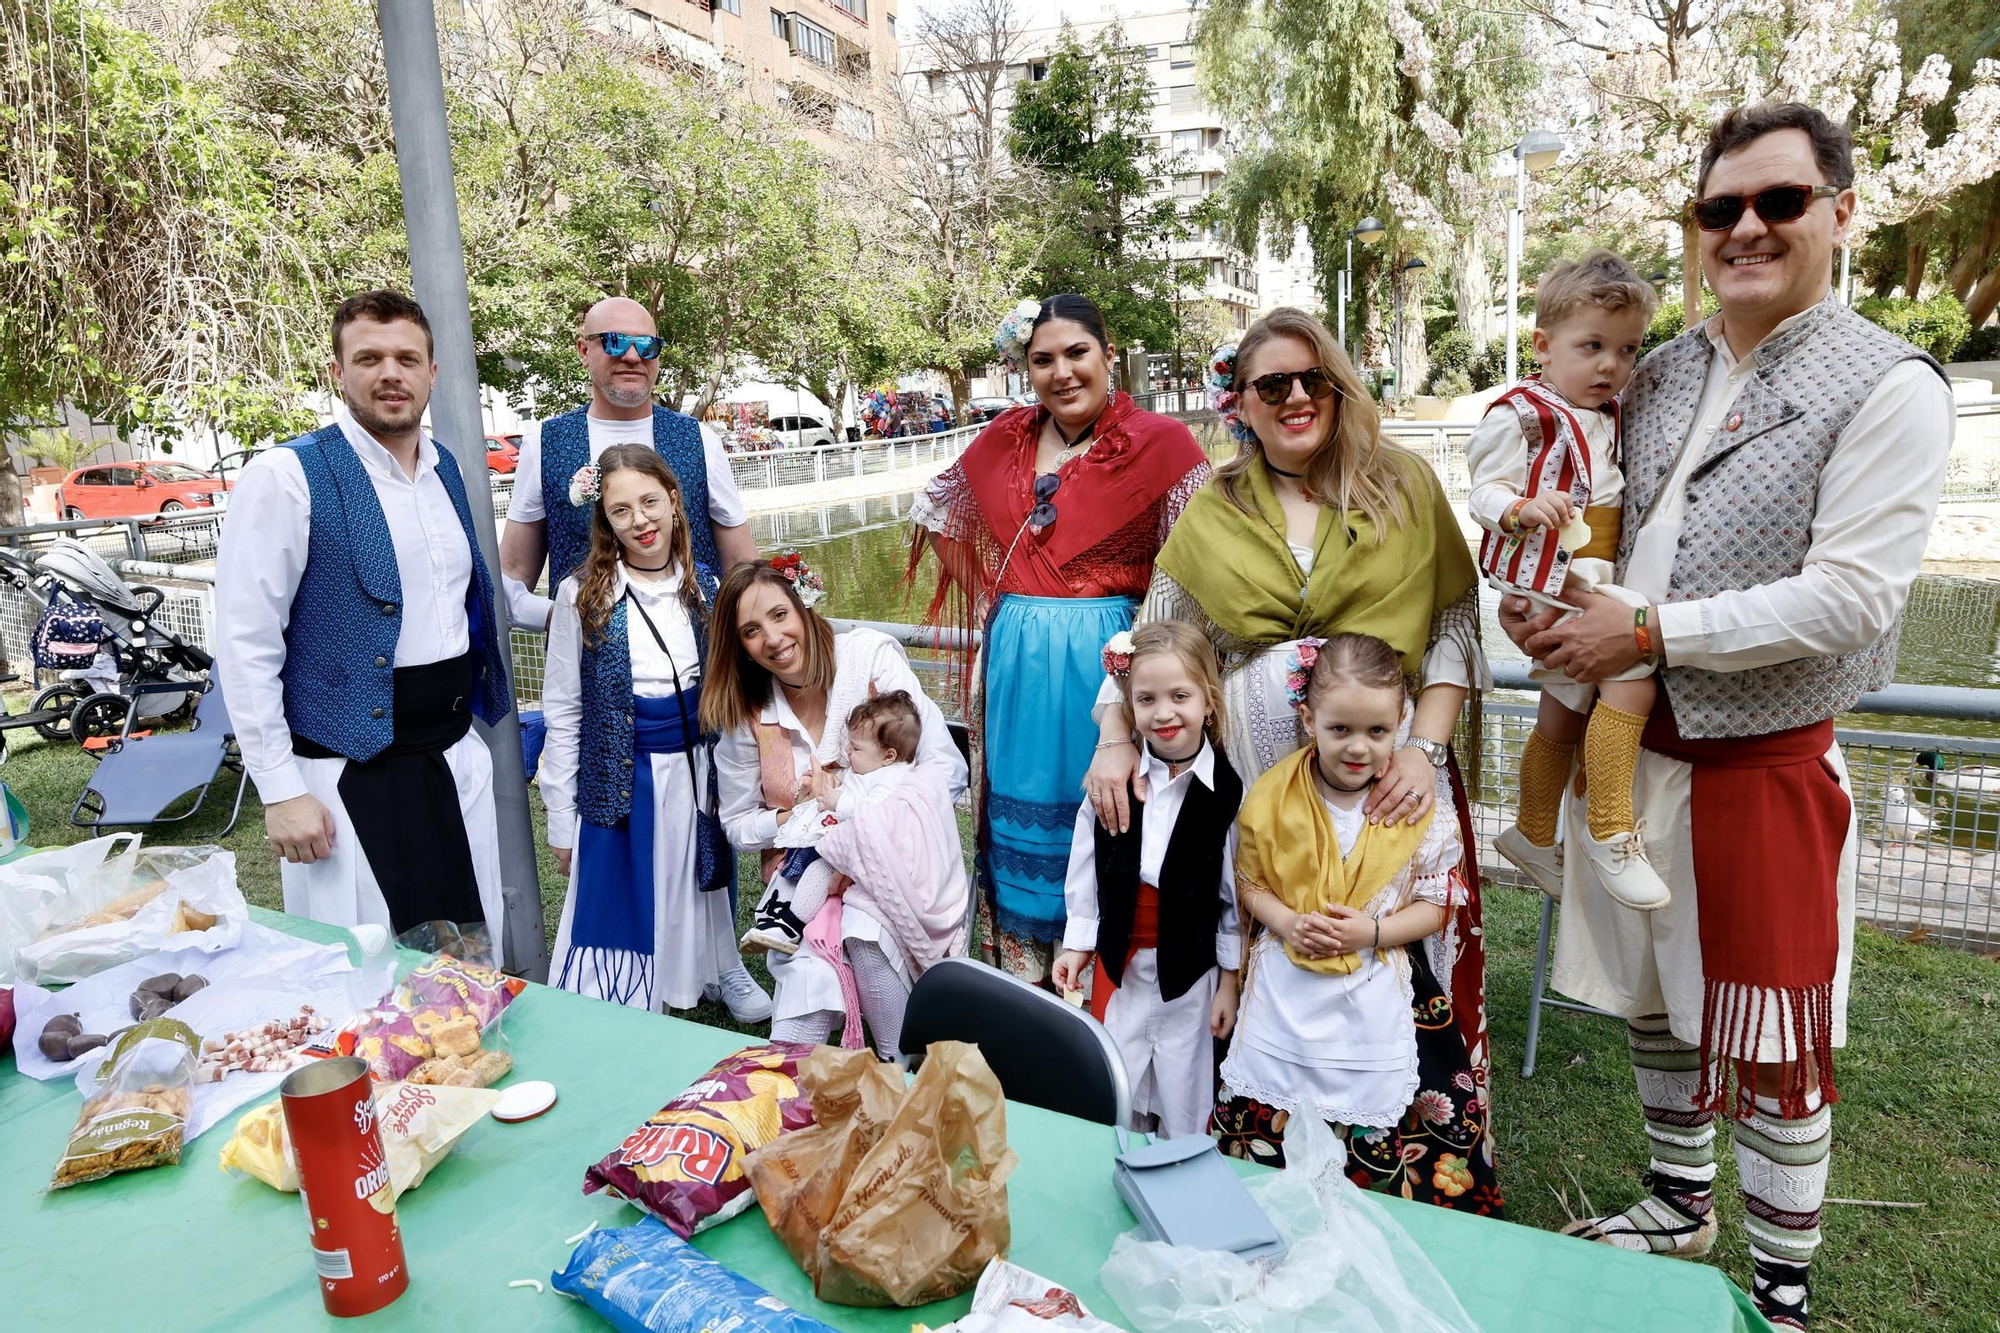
(1434, 1155)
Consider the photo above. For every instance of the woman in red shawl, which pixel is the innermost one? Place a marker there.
(1045, 533)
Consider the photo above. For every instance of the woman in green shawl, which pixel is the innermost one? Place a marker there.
(1318, 526)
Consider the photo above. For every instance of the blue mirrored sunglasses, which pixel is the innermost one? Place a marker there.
(647, 345)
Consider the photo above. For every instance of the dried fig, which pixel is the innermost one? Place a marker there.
(189, 984)
(85, 1041)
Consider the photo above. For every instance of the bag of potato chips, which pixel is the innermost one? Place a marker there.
(419, 1124)
(685, 1164)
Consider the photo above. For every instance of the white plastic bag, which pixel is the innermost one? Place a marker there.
(201, 878)
(41, 892)
(1349, 1268)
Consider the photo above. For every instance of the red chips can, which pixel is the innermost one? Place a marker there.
(344, 1182)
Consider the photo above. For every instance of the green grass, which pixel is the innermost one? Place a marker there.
(1917, 1122)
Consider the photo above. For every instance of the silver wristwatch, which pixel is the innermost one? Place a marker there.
(1430, 750)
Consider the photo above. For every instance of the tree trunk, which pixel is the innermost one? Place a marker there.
(10, 488)
(1966, 272)
(961, 392)
(710, 387)
(1472, 290)
(1690, 274)
(1913, 268)
(1985, 295)
(1411, 356)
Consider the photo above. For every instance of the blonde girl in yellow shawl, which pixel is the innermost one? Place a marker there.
(1335, 996)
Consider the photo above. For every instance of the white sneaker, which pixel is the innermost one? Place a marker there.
(746, 1000)
(1542, 865)
(1624, 871)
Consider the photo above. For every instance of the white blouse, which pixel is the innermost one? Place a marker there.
(656, 674)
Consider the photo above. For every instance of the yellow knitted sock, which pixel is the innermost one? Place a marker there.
(1611, 753)
(1544, 769)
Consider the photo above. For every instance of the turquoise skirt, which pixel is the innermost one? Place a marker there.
(1043, 668)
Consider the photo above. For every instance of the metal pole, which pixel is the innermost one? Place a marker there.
(437, 266)
(1514, 260)
(1342, 285)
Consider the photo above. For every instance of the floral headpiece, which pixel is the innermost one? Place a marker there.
(586, 485)
(1222, 395)
(1118, 654)
(1299, 669)
(1011, 338)
(803, 577)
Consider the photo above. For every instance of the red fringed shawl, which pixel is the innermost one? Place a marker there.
(1113, 509)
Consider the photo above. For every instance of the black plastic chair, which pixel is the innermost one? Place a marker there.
(1043, 1051)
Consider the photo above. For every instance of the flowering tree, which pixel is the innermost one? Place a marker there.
(1329, 92)
(1648, 80)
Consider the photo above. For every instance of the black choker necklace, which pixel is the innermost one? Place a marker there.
(650, 569)
(1281, 472)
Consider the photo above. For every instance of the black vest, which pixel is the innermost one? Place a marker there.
(1190, 880)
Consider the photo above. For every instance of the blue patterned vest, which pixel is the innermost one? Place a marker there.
(566, 447)
(340, 643)
(604, 759)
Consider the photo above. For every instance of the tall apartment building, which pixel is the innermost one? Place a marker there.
(1184, 127)
(832, 63)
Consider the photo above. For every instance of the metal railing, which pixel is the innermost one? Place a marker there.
(819, 464)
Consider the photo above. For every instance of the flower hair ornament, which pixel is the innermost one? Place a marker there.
(1010, 340)
(803, 577)
(1118, 654)
(586, 485)
(1299, 669)
(1223, 397)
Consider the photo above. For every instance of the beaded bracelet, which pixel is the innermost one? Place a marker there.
(1510, 522)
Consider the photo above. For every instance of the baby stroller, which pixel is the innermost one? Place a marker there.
(99, 634)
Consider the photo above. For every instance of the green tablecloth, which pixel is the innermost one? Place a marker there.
(189, 1247)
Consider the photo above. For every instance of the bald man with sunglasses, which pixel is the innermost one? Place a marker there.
(620, 346)
(1783, 462)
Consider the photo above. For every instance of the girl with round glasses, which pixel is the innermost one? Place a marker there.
(1320, 526)
(625, 769)
(1045, 534)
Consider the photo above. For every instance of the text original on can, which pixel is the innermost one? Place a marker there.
(357, 1247)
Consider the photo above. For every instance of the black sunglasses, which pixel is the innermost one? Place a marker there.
(1776, 203)
(1044, 512)
(648, 345)
(1276, 387)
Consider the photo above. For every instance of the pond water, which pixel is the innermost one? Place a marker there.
(1951, 632)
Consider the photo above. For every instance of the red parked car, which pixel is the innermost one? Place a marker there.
(142, 486)
(503, 453)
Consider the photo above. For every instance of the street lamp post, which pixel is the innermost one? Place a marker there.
(1368, 231)
(1536, 153)
(1415, 264)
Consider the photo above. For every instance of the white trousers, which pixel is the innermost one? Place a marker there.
(1169, 1055)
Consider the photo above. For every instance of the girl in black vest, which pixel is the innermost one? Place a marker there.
(1156, 905)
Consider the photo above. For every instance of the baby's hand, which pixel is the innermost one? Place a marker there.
(1067, 971)
(1550, 510)
(1352, 930)
(826, 785)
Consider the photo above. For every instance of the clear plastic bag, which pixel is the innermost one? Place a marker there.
(1349, 1268)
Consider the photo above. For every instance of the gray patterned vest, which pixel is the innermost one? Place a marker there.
(1751, 499)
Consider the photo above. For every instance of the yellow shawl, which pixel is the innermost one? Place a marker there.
(1287, 846)
(1242, 574)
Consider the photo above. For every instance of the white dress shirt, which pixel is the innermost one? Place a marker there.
(262, 557)
(655, 675)
(725, 503)
(1877, 495)
(1163, 809)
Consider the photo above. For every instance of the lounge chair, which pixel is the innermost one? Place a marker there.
(142, 777)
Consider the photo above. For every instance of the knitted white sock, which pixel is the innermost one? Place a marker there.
(1782, 1165)
(810, 894)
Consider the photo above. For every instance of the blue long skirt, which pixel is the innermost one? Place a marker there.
(1043, 668)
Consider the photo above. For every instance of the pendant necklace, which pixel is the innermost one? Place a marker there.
(1070, 449)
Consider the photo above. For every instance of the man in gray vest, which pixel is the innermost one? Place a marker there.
(1783, 462)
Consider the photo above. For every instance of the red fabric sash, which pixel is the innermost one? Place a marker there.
(1768, 820)
(1145, 935)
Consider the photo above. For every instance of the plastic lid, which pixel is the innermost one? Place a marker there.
(525, 1101)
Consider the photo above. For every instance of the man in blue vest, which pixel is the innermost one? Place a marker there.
(620, 346)
(357, 636)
